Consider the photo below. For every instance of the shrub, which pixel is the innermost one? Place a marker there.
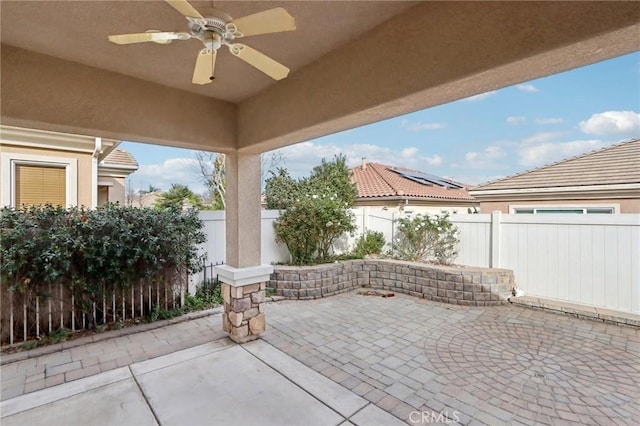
(315, 210)
(310, 227)
(94, 251)
(369, 243)
(426, 238)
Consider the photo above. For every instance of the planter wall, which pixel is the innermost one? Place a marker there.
(461, 286)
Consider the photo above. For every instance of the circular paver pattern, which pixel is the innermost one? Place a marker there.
(539, 372)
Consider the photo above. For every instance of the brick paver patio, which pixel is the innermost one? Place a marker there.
(422, 361)
(83, 360)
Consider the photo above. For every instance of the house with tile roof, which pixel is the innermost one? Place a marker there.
(602, 181)
(40, 167)
(399, 189)
(112, 173)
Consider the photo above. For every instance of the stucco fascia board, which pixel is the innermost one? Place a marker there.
(34, 138)
(116, 171)
(356, 85)
(81, 99)
(598, 191)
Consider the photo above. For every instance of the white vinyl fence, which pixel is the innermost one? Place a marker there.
(587, 259)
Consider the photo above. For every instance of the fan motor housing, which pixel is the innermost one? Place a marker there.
(216, 25)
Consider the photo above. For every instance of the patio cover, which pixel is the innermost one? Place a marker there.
(352, 63)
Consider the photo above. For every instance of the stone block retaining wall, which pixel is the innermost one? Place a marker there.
(461, 286)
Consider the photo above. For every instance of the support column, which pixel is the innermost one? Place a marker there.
(243, 210)
(243, 276)
(243, 293)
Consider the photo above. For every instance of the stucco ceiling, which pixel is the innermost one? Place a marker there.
(352, 63)
(77, 31)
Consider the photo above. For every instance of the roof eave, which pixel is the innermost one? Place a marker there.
(413, 198)
(627, 190)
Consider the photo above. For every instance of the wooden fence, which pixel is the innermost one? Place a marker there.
(26, 315)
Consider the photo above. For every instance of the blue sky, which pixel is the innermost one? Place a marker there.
(473, 140)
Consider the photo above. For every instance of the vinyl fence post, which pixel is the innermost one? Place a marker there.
(365, 220)
(495, 239)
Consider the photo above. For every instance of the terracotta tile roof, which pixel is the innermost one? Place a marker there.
(119, 157)
(616, 164)
(379, 180)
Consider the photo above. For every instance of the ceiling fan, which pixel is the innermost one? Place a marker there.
(217, 30)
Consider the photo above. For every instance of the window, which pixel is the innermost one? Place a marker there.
(27, 179)
(600, 210)
(40, 185)
(567, 210)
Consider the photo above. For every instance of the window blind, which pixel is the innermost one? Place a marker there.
(40, 185)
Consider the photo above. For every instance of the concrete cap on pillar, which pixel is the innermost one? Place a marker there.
(238, 277)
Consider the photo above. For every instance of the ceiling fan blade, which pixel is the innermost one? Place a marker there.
(270, 21)
(158, 37)
(273, 69)
(185, 8)
(205, 64)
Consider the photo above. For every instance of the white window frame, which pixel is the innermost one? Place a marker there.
(583, 207)
(9, 160)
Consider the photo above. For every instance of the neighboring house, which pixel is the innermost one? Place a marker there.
(603, 181)
(396, 188)
(143, 199)
(38, 167)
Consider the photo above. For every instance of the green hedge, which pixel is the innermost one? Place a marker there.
(92, 251)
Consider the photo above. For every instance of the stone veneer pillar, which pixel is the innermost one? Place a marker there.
(243, 291)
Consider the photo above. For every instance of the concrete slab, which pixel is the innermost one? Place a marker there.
(56, 393)
(119, 403)
(372, 415)
(179, 356)
(332, 394)
(230, 387)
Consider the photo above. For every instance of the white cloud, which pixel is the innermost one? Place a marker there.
(530, 88)
(542, 137)
(175, 170)
(534, 155)
(481, 96)
(515, 120)
(409, 152)
(550, 120)
(610, 123)
(418, 126)
(488, 158)
(301, 158)
(434, 160)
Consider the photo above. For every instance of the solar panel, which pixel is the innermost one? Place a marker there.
(426, 179)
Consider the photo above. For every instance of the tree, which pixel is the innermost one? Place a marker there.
(270, 163)
(316, 209)
(179, 196)
(280, 190)
(211, 170)
(134, 198)
(129, 195)
(333, 178)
